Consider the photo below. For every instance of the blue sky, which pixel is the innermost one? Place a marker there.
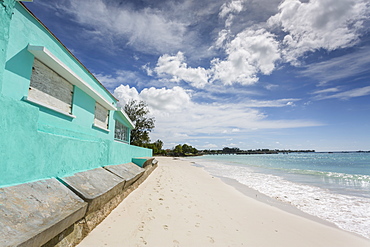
(240, 73)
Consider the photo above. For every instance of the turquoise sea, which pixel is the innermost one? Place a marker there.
(331, 186)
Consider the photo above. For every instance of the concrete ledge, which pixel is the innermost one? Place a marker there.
(51, 213)
(95, 186)
(74, 234)
(33, 213)
(143, 161)
(129, 172)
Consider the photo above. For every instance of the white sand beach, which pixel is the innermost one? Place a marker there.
(182, 205)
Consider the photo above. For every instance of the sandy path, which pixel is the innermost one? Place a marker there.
(182, 205)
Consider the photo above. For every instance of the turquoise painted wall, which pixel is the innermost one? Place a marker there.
(24, 30)
(38, 143)
(116, 156)
(6, 11)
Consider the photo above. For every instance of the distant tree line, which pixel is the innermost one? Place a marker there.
(183, 150)
(178, 150)
(227, 150)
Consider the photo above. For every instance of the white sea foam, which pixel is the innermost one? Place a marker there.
(350, 213)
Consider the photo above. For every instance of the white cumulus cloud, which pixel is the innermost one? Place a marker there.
(327, 24)
(250, 53)
(160, 100)
(124, 93)
(176, 68)
(163, 99)
(228, 9)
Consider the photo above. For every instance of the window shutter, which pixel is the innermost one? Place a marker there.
(50, 88)
(101, 116)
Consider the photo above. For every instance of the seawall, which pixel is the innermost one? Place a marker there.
(62, 211)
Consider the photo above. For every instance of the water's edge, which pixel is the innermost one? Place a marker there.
(256, 195)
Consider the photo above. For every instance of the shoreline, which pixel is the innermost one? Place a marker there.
(183, 205)
(345, 211)
(256, 195)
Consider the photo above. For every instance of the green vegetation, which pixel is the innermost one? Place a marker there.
(228, 150)
(156, 147)
(183, 150)
(138, 113)
(179, 150)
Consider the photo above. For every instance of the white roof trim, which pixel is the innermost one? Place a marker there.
(119, 109)
(45, 56)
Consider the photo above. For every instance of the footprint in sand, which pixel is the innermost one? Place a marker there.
(211, 240)
(141, 227)
(143, 240)
(165, 227)
(150, 210)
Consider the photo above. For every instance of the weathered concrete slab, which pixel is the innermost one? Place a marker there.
(130, 172)
(33, 213)
(95, 186)
(143, 161)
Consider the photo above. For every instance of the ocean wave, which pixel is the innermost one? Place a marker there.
(332, 174)
(353, 180)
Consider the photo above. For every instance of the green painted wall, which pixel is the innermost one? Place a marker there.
(38, 143)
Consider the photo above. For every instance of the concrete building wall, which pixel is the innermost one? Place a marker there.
(6, 11)
(37, 142)
(26, 29)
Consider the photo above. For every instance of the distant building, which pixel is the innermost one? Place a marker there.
(56, 118)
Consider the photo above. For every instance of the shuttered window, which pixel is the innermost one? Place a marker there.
(121, 132)
(101, 116)
(50, 89)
